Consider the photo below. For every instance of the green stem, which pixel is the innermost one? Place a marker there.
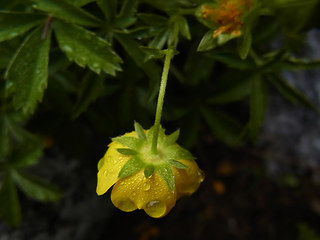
(163, 84)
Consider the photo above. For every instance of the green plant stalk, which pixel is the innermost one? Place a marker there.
(163, 84)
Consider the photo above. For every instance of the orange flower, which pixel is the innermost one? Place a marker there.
(227, 15)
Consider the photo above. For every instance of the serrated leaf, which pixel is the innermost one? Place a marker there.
(28, 71)
(207, 42)
(148, 171)
(139, 131)
(177, 153)
(172, 138)
(177, 164)
(86, 48)
(90, 89)
(127, 151)
(13, 24)
(67, 11)
(289, 92)
(132, 166)
(128, 8)
(130, 142)
(36, 188)
(244, 43)
(10, 209)
(223, 126)
(165, 172)
(258, 104)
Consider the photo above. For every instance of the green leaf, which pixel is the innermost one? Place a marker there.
(13, 24)
(27, 153)
(90, 89)
(184, 27)
(223, 126)
(172, 138)
(299, 64)
(4, 136)
(82, 2)
(152, 70)
(28, 71)
(165, 172)
(132, 166)
(130, 142)
(207, 42)
(160, 39)
(86, 48)
(127, 151)
(10, 209)
(148, 171)
(139, 131)
(177, 164)
(128, 8)
(236, 92)
(36, 188)
(289, 92)
(232, 60)
(258, 104)
(153, 19)
(67, 11)
(244, 43)
(109, 8)
(152, 53)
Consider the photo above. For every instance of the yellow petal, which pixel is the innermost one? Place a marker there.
(187, 180)
(152, 194)
(113, 162)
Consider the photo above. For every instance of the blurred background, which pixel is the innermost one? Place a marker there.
(247, 106)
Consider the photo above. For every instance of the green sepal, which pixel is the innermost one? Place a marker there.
(127, 151)
(133, 165)
(172, 138)
(177, 164)
(148, 171)
(176, 152)
(140, 131)
(131, 142)
(165, 172)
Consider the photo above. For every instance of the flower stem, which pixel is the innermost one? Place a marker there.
(163, 84)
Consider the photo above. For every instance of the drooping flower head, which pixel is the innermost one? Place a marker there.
(143, 180)
(227, 15)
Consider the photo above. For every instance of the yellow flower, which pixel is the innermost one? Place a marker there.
(142, 180)
(227, 15)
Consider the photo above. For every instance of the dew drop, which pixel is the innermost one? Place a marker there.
(146, 186)
(125, 205)
(155, 208)
(105, 173)
(201, 175)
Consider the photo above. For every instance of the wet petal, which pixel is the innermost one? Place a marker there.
(152, 194)
(187, 180)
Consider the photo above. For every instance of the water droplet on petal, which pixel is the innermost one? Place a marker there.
(146, 186)
(201, 175)
(105, 173)
(155, 209)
